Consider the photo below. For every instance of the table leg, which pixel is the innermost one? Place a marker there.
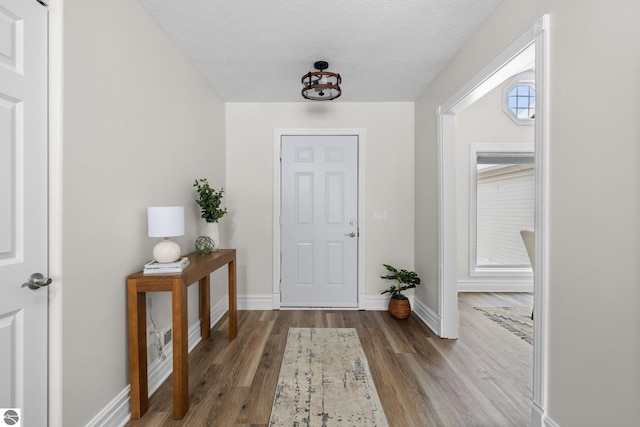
(180, 349)
(137, 311)
(233, 315)
(205, 307)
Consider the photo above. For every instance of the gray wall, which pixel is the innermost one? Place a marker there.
(594, 345)
(388, 186)
(140, 124)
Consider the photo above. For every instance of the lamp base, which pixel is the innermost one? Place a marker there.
(166, 251)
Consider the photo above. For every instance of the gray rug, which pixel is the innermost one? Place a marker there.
(516, 320)
(325, 381)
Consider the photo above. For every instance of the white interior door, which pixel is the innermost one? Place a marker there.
(23, 210)
(319, 213)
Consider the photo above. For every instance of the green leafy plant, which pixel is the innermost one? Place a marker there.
(209, 200)
(405, 280)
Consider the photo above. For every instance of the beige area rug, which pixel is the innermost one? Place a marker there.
(325, 381)
(514, 319)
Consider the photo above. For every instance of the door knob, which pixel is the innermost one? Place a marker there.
(37, 281)
(352, 234)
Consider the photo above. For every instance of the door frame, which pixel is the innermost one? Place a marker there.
(278, 133)
(55, 247)
(489, 77)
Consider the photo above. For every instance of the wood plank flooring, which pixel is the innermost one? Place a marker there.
(482, 379)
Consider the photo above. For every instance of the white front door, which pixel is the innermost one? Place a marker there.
(319, 182)
(23, 210)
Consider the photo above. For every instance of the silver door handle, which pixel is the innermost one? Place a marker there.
(352, 234)
(37, 281)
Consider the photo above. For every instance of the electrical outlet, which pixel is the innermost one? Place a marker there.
(167, 336)
(149, 303)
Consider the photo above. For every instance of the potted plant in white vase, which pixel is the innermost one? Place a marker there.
(399, 306)
(209, 200)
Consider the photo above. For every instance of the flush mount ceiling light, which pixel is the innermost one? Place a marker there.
(321, 85)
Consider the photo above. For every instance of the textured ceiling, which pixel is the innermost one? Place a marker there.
(258, 50)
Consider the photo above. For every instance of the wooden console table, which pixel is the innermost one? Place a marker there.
(199, 269)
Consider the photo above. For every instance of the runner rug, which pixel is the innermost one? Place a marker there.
(325, 381)
(517, 320)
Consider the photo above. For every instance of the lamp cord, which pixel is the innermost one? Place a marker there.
(158, 344)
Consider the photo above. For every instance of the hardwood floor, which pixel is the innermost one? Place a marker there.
(482, 379)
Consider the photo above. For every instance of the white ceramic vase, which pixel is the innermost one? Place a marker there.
(212, 230)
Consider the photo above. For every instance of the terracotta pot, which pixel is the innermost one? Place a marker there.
(399, 308)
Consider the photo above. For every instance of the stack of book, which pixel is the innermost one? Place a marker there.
(155, 267)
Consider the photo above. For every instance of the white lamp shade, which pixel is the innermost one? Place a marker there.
(165, 221)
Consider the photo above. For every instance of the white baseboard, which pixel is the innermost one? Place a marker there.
(495, 285)
(255, 302)
(118, 411)
(376, 302)
(424, 313)
(371, 302)
(537, 415)
(217, 311)
(539, 418)
(428, 316)
(548, 422)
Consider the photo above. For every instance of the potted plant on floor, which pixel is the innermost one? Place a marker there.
(399, 306)
(209, 200)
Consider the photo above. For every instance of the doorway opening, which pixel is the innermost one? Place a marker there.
(509, 63)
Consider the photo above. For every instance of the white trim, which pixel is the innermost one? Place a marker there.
(217, 311)
(377, 302)
(505, 65)
(495, 285)
(381, 302)
(548, 422)
(541, 239)
(537, 415)
(275, 299)
(277, 255)
(540, 419)
(447, 231)
(447, 228)
(428, 316)
(508, 63)
(305, 306)
(255, 302)
(55, 178)
(277, 135)
(118, 412)
(499, 147)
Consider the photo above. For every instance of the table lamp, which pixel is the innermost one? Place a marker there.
(166, 221)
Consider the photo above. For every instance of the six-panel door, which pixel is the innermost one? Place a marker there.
(23, 209)
(319, 182)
